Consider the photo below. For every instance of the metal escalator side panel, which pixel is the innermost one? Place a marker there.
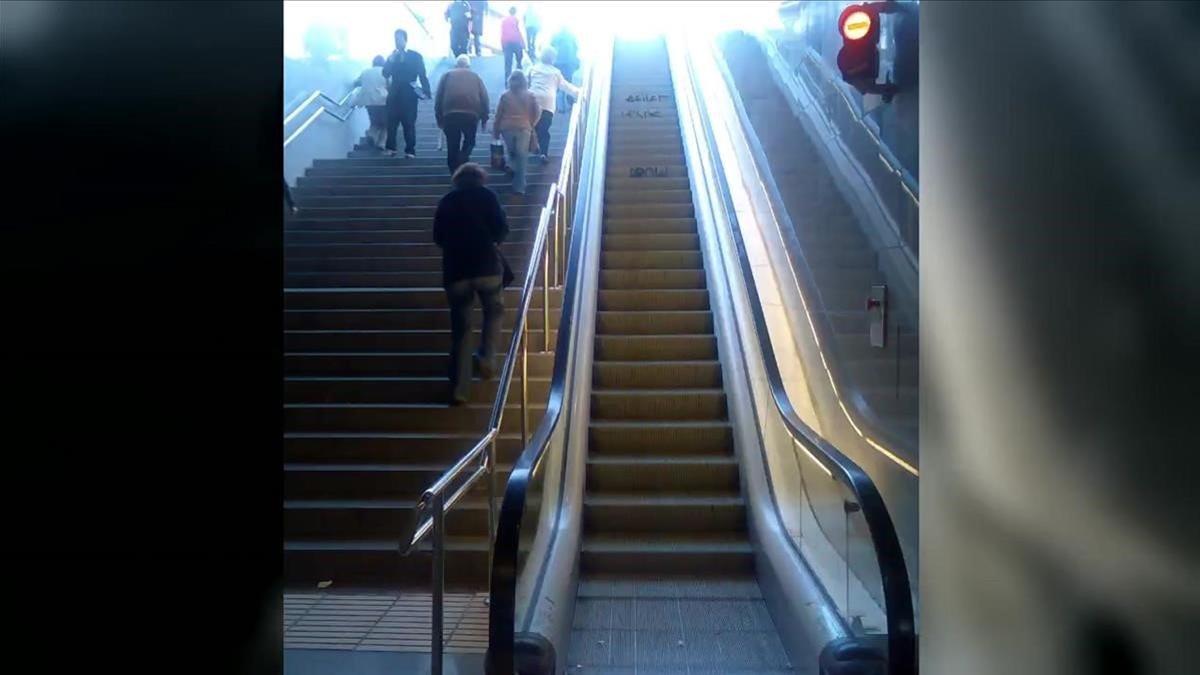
(781, 561)
(804, 336)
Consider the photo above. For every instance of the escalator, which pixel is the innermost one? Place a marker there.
(672, 513)
(666, 562)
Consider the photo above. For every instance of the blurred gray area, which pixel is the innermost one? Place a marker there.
(1060, 309)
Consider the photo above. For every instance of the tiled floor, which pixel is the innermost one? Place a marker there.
(627, 626)
(382, 621)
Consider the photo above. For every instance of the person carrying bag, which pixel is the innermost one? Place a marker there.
(469, 226)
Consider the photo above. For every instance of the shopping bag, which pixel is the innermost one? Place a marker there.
(498, 155)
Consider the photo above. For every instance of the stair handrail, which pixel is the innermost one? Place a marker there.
(479, 462)
(885, 541)
(502, 581)
(338, 109)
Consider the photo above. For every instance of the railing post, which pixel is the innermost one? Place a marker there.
(546, 297)
(557, 250)
(439, 582)
(491, 496)
(525, 386)
(564, 213)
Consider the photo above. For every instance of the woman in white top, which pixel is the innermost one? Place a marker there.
(544, 82)
(372, 95)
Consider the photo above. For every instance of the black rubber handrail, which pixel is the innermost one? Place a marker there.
(504, 572)
(901, 637)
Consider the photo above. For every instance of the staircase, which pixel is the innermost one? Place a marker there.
(366, 336)
(843, 261)
(666, 563)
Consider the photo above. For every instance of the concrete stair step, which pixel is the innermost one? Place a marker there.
(405, 211)
(402, 447)
(370, 237)
(377, 562)
(406, 390)
(429, 201)
(421, 250)
(359, 519)
(353, 279)
(389, 340)
(395, 364)
(310, 220)
(356, 482)
(348, 188)
(406, 170)
(377, 264)
(390, 180)
(396, 319)
(404, 298)
(341, 417)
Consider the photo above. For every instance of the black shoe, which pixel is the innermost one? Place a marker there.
(482, 369)
(456, 402)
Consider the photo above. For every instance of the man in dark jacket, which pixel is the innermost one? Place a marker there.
(459, 16)
(461, 107)
(404, 67)
(469, 226)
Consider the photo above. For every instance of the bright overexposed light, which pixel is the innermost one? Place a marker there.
(857, 25)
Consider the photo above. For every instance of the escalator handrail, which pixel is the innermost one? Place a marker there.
(504, 573)
(886, 543)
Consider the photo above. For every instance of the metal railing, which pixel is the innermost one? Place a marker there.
(339, 110)
(867, 500)
(546, 259)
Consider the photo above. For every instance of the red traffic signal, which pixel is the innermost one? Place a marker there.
(858, 58)
(857, 23)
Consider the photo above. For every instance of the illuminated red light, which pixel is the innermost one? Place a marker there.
(856, 25)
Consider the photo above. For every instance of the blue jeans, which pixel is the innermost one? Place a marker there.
(461, 296)
(517, 143)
